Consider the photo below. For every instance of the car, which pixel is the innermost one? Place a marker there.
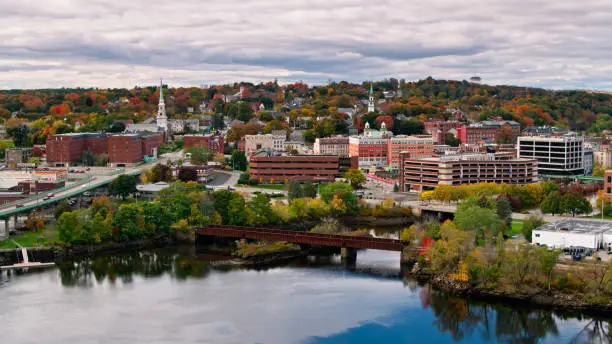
(51, 194)
(46, 198)
(87, 193)
(18, 205)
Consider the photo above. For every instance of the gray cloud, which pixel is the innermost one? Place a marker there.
(54, 43)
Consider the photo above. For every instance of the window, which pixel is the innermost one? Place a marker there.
(537, 235)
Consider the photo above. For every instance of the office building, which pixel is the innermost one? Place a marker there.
(427, 173)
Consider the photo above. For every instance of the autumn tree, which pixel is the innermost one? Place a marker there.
(356, 177)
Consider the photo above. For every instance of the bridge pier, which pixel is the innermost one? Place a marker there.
(4, 233)
(348, 256)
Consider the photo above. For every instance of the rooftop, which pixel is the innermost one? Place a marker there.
(578, 226)
(152, 187)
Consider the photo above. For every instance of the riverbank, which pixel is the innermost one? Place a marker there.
(543, 299)
(53, 253)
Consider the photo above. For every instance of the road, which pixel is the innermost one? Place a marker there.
(227, 179)
(80, 187)
(451, 208)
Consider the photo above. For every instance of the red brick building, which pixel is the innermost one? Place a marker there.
(66, 149)
(608, 184)
(129, 149)
(487, 131)
(317, 168)
(212, 142)
(438, 129)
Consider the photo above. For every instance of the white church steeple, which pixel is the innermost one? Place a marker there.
(162, 119)
(371, 107)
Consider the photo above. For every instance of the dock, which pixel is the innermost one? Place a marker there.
(25, 264)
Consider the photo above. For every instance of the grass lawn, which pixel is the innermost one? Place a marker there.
(598, 217)
(268, 186)
(516, 227)
(45, 237)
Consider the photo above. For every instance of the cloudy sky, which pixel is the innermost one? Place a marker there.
(111, 43)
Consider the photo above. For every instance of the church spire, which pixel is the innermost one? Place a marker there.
(161, 91)
(371, 106)
(162, 119)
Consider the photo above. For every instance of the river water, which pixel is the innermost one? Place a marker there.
(178, 295)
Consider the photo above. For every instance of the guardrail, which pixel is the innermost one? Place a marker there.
(41, 203)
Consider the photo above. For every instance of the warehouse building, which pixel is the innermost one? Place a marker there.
(575, 233)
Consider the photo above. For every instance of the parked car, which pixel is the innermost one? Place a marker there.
(86, 193)
(19, 206)
(51, 194)
(46, 198)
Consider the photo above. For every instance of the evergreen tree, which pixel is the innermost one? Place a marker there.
(295, 191)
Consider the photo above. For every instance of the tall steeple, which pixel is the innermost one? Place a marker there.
(162, 119)
(371, 107)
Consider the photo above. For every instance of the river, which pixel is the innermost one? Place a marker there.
(178, 295)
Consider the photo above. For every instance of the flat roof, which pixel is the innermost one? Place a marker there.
(577, 227)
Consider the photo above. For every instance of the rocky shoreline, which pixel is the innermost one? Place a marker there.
(549, 300)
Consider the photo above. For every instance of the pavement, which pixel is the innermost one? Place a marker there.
(451, 208)
(95, 180)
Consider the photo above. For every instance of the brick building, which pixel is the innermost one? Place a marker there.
(338, 145)
(211, 142)
(427, 173)
(317, 168)
(130, 149)
(487, 131)
(419, 146)
(438, 129)
(371, 148)
(66, 149)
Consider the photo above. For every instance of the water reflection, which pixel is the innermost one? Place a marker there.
(124, 266)
(458, 318)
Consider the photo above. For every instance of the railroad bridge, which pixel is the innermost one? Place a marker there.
(348, 244)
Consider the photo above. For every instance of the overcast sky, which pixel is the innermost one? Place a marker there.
(112, 43)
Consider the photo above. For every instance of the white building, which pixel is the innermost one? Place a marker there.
(338, 145)
(181, 125)
(577, 233)
(259, 142)
(556, 155)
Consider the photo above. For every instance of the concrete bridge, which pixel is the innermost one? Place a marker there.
(348, 244)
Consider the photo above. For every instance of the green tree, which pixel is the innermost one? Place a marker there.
(451, 140)
(123, 186)
(128, 220)
(236, 210)
(482, 221)
(221, 204)
(61, 208)
(504, 210)
(529, 225)
(159, 173)
(356, 177)
(260, 211)
(199, 156)
(574, 203)
(309, 189)
(551, 204)
(69, 228)
(548, 187)
(343, 192)
(88, 158)
(295, 190)
(101, 159)
(245, 178)
(239, 160)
